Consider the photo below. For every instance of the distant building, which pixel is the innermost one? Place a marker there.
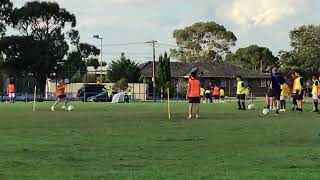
(223, 74)
(92, 70)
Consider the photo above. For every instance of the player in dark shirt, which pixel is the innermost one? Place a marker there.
(276, 87)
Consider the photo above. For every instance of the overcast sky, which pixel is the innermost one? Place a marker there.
(261, 22)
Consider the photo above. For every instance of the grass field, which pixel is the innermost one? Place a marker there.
(138, 142)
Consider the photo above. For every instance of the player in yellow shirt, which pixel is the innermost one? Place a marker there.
(207, 93)
(299, 89)
(222, 95)
(314, 92)
(202, 92)
(241, 96)
(248, 93)
(285, 93)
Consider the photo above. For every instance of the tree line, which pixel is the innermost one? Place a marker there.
(209, 42)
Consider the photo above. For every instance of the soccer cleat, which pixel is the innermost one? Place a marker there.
(277, 112)
(52, 109)
(197, 116)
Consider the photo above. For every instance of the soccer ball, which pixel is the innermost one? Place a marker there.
(251, 107)
(70, 108)
(63, 108)
(265, 111)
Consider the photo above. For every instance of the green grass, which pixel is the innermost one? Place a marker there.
(138, 142)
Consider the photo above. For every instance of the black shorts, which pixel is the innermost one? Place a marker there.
(216, 97)
(299, 96)
(241, 96)
(276, 96)
(208, 96)
(62, 97)
(222, 97)
(194, 100)
(270, 94)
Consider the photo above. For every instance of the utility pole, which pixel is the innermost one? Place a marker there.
(101, 39)
(153, 42)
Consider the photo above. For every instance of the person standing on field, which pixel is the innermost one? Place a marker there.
(319, 88)
(216, 94)
(222, 95)
(299, 89)
(11, 91)
(276, 85)
(284, 97)
(193, 95)
(202, 92)
(314, 92)
(241, 94)
(207, 95)
(294, 101)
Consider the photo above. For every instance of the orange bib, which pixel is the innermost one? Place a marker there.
(194, 88)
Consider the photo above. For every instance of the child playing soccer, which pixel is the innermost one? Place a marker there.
(11, 91)
(202, 93)
(314, 93)
(299, 89)
(216, 94)
(248, 92)
(193, 95)
(285, 92)
(60, 92)
(241, 94)
(222, 95)
(207, 95)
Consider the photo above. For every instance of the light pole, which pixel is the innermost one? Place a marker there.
(98, 37)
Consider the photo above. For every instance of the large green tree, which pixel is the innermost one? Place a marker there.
(44, 25)
(77, 60)
(124, 68)
(163, 71)
(252, 57)
(305, 55)
(202, 42)
(5, 13)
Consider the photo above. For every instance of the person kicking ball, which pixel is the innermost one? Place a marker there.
(193, 95)
(61, 95)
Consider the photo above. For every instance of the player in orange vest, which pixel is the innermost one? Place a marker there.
(193, 94)
(11, 91)
(61, 95)
(216, 94)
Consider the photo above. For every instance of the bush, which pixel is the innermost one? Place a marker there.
(183, 90)
(121, 85)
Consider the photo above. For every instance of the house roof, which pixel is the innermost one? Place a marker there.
(207, 70)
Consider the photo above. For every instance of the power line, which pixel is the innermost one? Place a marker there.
(125, 44)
